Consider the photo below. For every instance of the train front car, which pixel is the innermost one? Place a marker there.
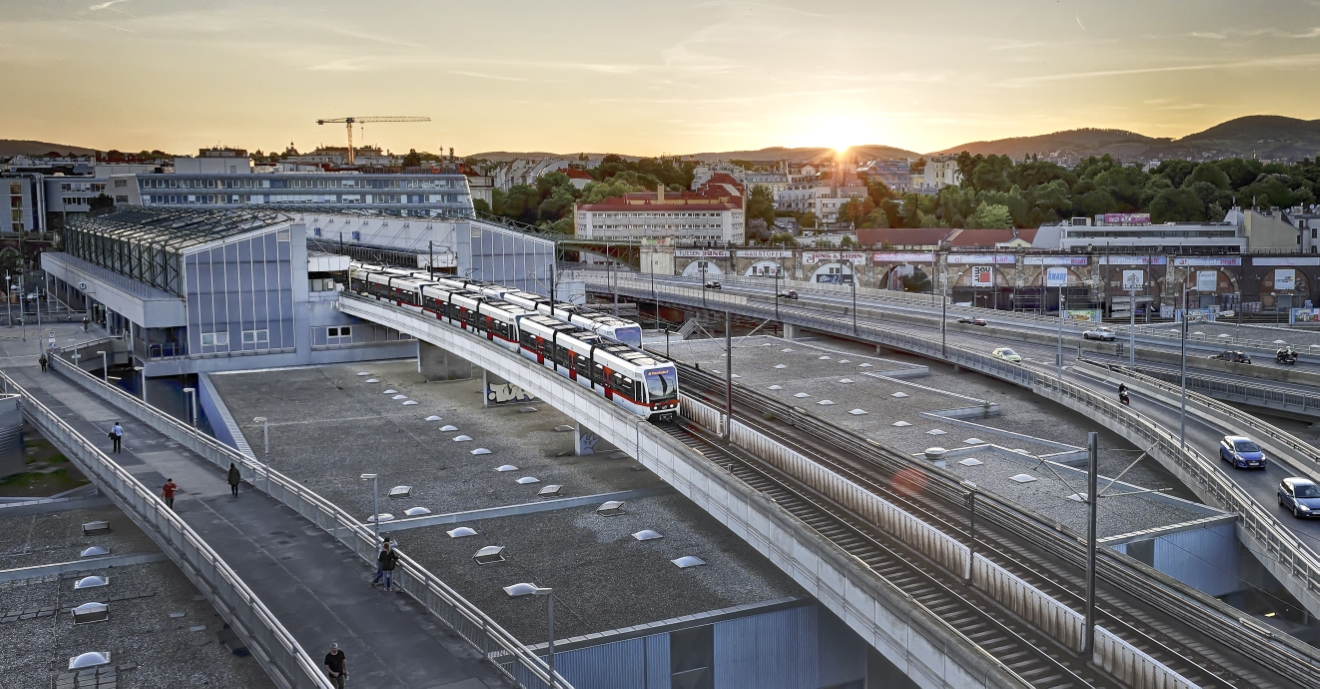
(661, 392)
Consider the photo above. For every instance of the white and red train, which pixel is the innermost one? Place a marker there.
(642, 383)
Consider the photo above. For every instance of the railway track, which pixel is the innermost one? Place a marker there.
(1035, 660)
(1172, 643)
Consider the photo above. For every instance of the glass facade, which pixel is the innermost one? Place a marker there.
(240, 295)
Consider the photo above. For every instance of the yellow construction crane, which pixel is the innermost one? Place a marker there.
(350, 121)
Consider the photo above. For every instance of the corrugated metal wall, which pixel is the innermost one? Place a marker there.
(1206, 559)
(842, 652)
(618, 665)
(12, 459)
(776, 650)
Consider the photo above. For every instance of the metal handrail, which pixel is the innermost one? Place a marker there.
(435, 595)
(276, 647)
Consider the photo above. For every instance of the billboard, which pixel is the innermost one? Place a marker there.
(983, 276)
(1207, 281)
(903, 257)
(1127, 218)
(701, 253)
(765, 253)
(1082, 315)
(1207, 261)
(1056, 277)
(1285, 279)
(1132, 260)
(1054, 260)
(811, 258)
(971, 259)
(1305, 316)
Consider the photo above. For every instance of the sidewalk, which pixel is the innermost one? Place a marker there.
(316, 588)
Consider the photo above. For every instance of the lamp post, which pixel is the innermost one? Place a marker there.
(776, 292)
(944, 310)
(375, 503)
(1276, 308)
(1132, 329)
(518, 590)
(1182, 408)
(852, 281)
(105, 366)
(265, 447)
(1058, 362)
(9, 299)
(143, 371)
(192, 408)
(702, 266)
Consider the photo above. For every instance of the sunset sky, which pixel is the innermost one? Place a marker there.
(644, 78)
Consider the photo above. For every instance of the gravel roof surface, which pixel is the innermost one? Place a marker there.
(603, 578)
(43, 539)
(328, 426)
(1048, 496)
(139, 631)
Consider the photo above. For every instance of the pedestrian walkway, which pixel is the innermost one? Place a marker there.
(317, 588)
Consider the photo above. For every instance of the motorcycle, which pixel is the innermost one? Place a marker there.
(1284, 356)
(1123, 397)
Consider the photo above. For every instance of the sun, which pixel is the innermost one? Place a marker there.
(834, 131)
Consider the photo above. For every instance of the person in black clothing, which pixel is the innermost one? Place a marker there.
(44, 362)
(234, 478)
(380, 571)
(336, 664)
(388, 558)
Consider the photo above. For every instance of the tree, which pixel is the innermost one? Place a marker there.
(847, 242)
(480, 206)
(413, 159)
(782, 239)
(1206, 172)
(761, 204)
(991, 216)
(1176, 205)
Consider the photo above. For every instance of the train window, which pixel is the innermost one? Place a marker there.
(598, 374)
(582, 364)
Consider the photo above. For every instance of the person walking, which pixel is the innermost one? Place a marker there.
(43, 361)
(234, 478)
(336, 665)
(117, 436)
(380, 572)
(388, 558)
(86, 322)
(167, 492)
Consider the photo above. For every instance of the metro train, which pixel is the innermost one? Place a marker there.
(620, 329)
(642, 383)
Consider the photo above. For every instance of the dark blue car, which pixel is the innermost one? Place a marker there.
(1301, 496)
(1241, 452)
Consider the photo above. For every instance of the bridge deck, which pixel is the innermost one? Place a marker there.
(317, 589)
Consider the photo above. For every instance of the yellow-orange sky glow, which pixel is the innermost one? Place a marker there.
(644, 78)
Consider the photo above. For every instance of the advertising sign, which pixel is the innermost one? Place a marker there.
(1054, 261)
(1056, 277)
(765, 253)
(1134, 280)
(1207, 281)
(1082, 315)
(1127, 218)
(903, 257)
(1132, 260)
(1285, 279)
(811, 258)
(983, 276)
(1208, 261)
(701, 253)
(1286, 261)
(1305, 316)
(972, 259)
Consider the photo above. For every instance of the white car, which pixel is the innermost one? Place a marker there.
(1101, 333)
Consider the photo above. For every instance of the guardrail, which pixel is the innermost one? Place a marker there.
(1255, 393)
(1281, 653)
(467, 620)
(273, 646)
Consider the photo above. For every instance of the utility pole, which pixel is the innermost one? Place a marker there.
(776, 292)
(728, 375)
(1182, 409)
(1132, 329)
(944, 310)
(1092, 447)
(852, 280)
(1059, 360)
(654, 295)
(430, 264)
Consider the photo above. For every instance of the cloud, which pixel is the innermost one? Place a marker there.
(101, 6)
(1305, 60)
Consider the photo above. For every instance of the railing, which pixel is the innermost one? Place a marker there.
(274, 647)
(1254, 393)
(468, 621)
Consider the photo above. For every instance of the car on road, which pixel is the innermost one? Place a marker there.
(788, 294)
(1232, 356)
(1300, 496)
(1007, 354)
(1242, 452)
(971, 321)
(714, 284)
(1100, 333)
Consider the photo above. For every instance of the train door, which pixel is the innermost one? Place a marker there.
(490, 328)
(572, 365)
(540, 350)
(606, 381)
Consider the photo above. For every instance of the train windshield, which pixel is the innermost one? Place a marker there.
(662, 383)
(630, 335)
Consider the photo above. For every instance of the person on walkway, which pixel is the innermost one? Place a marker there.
(336, 666)
(379, 571)
(388, 558)
(86, 322)
(43, 361)
(117, 435)
(167, 492)
(234, 478)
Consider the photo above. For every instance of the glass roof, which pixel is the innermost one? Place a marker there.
(176, 229)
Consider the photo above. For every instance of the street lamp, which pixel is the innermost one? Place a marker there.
(702, 266)
(520, 590)
(143, 371)
(1058, 362)
(1182, 410)
(852, 280)
(375, 502)
(1132, 328)
(9, 299)
(265, 446)
(776, 291)
(192, 396)
(105, 366)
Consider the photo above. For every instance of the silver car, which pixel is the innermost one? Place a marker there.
(1101, 333)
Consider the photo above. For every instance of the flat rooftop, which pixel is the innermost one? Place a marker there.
(42, 539)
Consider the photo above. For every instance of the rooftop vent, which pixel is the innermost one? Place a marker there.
(520, 590)
(863, 365)
(1023, 478)
(935, 453)
(391, 391)
(481, 451)
(433, 417)
(776, 387)
(371, 380)
(528, 479)
(971, 462)
(825, 403)
(490, 554)
(506, 467)
(563, 429)
(688, 561)
(551, 491)
(800, 395)
(87, 660)
(610, 509)
(383, 516)
(91, 612)
(973, 441)
(857, 412)
(94, 551)
(647, 535)
(401, 492)
(462, 532)
(462, 438)
(90, 582)
(901, 424)
(417, 511)
(96, 528)
(364, 373)
(448, 429)
(399, 397)
(899, 395)
(409, 402)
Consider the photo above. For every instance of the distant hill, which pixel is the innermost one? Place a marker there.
(806, 154)
(1263, 136)
(16, 147)
(1073, 143)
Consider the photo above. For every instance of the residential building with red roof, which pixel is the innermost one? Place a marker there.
(716, 216)
(578, 177)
